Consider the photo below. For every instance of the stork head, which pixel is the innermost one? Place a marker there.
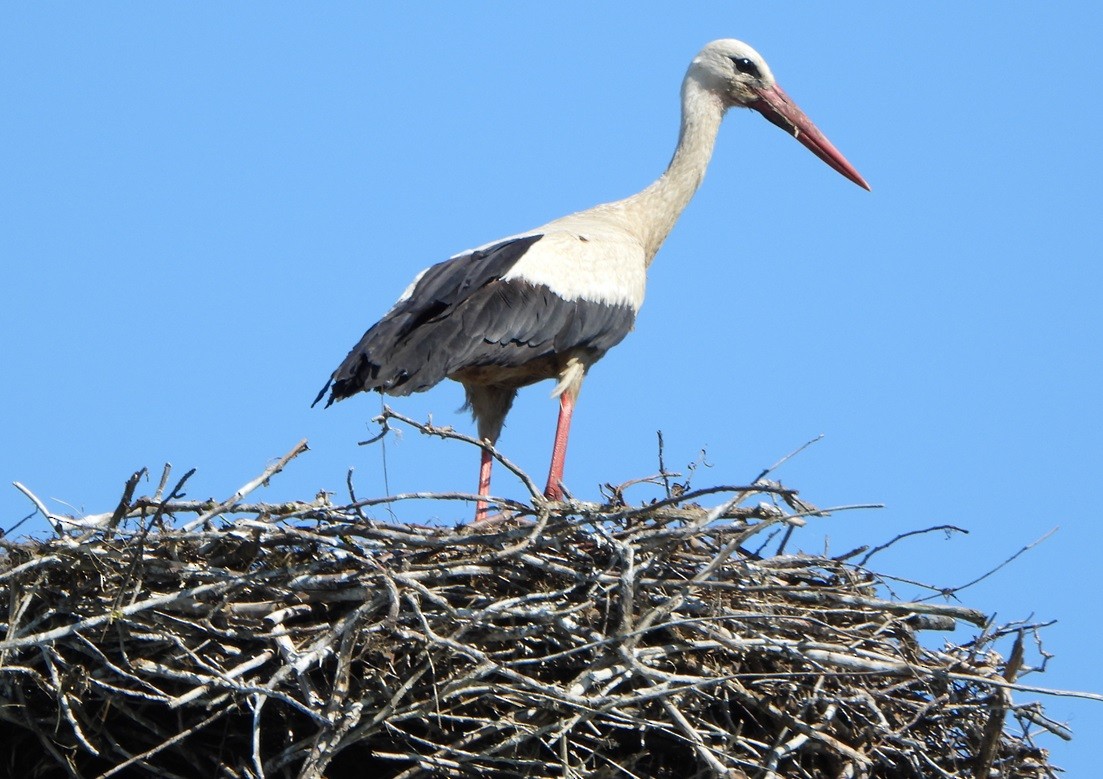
(739, 77)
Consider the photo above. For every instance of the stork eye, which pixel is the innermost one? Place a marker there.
(744, 65)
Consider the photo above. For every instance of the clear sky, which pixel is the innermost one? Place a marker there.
(204, 206)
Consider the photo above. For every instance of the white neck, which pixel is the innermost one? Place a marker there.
(653, 212)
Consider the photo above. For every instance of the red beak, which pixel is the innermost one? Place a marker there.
(776, 106)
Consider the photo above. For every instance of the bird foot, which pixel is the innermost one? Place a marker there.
(554, 493)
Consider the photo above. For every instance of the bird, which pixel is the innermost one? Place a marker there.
(548, 303)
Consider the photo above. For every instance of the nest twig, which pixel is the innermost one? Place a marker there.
(185, 638)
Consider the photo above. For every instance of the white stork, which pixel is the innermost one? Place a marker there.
(548, 303)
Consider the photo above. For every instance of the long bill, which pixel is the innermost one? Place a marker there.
(777, 106)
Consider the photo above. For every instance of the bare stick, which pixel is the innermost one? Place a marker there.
(947, 592)
(144, 756)
(535, 492)
(662, 466)
(124, 501)
(53, 520)
(269, 472)
(767, 471)
(909, 534)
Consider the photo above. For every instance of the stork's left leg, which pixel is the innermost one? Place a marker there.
(570, 382)
(554, 490)
(489, 404)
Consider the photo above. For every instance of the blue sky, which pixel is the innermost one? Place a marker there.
(206, 205)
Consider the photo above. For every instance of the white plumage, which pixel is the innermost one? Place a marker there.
(548, 303)
(588, 262)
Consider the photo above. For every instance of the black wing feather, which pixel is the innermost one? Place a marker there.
(460, 314)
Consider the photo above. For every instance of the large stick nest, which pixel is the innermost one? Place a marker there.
(183, 638)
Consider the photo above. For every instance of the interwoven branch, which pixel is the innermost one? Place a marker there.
(308, 639)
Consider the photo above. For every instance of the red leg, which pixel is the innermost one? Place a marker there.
(559, 451)
(481, 510)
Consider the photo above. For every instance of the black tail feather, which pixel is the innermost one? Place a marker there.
(322, 394)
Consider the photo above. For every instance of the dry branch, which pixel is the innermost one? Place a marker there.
(203, 638)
